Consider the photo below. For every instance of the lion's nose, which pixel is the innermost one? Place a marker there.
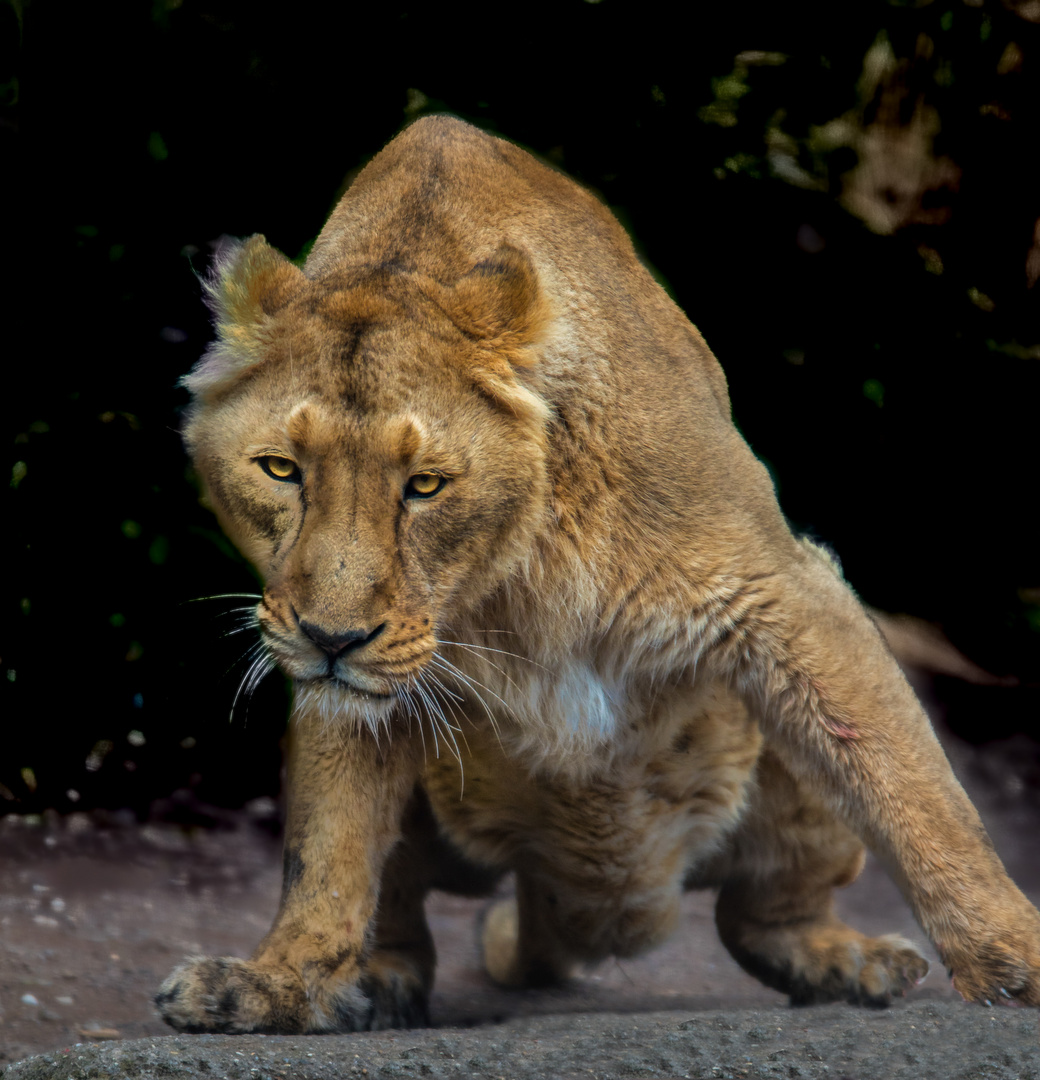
(343, 641)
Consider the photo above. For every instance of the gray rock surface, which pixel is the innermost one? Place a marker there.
(924, 1039)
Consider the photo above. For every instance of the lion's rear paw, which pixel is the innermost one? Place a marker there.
(397, 986)
(499, 940)
(226, 994)
(830, 962)
(862, 970)
(514, 960)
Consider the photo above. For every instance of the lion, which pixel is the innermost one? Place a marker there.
(543, 614)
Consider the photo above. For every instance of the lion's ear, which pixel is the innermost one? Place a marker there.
(247, 284)
(497, 302)
(499, 305)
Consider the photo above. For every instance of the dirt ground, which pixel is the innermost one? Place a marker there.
(92, 919)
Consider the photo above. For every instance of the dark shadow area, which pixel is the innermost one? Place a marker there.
(842, 198)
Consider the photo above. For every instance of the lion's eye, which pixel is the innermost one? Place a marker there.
(423, 485)
(280, 468)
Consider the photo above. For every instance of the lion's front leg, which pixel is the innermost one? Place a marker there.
(847, 726)
(320, 968)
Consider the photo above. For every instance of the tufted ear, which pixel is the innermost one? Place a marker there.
(247, 284)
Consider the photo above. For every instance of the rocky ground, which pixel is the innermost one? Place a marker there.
(93, 918)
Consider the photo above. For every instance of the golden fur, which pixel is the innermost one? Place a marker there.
(488, 472)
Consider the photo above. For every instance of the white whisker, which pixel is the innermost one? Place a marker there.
(250, 654)
(439, 720)
(225, 596)
(467, 680)
(260, 667)
(505, 675)
(437, 691)
(422, 698)
(413, 712)
(476, 649)
(448, 697)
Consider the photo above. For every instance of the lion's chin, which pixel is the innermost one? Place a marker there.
(337, 702)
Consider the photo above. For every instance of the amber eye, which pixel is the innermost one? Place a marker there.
(279, 468)
(423, 485)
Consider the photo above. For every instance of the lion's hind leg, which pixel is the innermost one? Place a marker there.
(774, 911)
(596, 880)
(518, 952)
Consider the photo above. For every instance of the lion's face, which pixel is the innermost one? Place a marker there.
(364, 462)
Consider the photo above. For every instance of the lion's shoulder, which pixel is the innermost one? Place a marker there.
(443, 195)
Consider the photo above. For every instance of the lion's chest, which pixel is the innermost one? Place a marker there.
(573, 718)
(542, 710)
(661, 771)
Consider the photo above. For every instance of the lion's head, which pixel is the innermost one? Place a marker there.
(367, 440)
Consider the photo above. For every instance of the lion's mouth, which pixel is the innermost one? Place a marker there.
(351, 684)
(344, 684)
(333, 699)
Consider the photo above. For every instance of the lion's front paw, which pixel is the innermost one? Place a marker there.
(1001, 981)
(997, 960)
(225, 994)
(997, 973)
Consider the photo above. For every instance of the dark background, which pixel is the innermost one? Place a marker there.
(843, 196)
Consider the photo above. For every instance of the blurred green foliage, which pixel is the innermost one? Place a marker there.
(842, 196)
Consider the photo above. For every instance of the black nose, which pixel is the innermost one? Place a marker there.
(342, 641)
